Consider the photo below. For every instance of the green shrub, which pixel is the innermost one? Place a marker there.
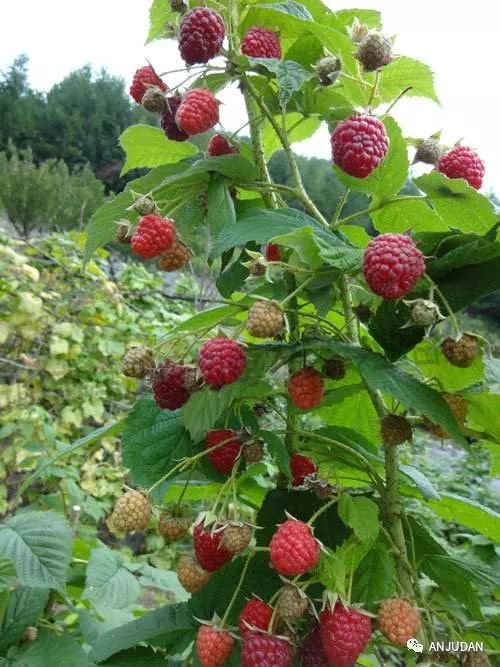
(47, 196)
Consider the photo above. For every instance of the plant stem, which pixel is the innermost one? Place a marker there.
(322, 509)
(237, 589)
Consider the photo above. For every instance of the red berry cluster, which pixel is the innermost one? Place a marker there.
(144, 78)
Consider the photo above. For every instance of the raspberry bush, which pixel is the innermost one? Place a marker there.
(287, 411)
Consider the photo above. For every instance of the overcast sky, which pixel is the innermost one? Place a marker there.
(458, 40)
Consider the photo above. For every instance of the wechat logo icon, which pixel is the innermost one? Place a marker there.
(415, 645)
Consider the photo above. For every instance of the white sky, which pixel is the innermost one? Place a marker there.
(458, 40)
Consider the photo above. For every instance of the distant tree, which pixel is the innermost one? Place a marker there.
(79, 120)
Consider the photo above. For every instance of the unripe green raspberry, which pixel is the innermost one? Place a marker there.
(144, 205)
(328, 70)
(131, 512)
(154, 100)
(424, 313)
(138, 362)
(374, 51)
(292, 603)
(429, 151)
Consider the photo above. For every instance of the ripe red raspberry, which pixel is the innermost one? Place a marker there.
(306, 388)
(213, 646)
(344, 634)
(210, 553)
(294, 549)
(463, 162)
(225, 455)
(398, 620)
(221, 361)
(144, 78)
(359, 144)
(312, 654)
(198, 111)
(262, 650)
(261, 43)
(219, 145)
(152, 236)
(255, 614)
(301, 466)
(392, 264)
(172, 385)
(167, 119)
(272, 252)
(201, 34)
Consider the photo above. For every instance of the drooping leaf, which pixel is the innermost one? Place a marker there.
(50, 649)
(375, 578)
(160, 13)
(458, 203)
(147, 146)
(469, 513)
(108, 580)
(39, 544)
(153, 442)
(172, 623)
(220, 206)
(404, 215)
(24, 607)
(207, 319)
(360, 514)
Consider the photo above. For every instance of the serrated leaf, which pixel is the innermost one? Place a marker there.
(305, 245)
(458, 203)
(24, 608)
(39, 544)
(138, 656)
(390, 176)
(290, 76)
(108, 579)
(278, 451)
(405, 215)
(360, 514)
(172, 623)
(50, 649)
(469, 513)
(154, 441)
(205, 407)
(7, 572)
(404, 72)
(207, 319)
(147, 146)
(262, 226)
(450, 578)
(220, 206)
(160, 14)
(290, 7)
(332, 573)
(375, 578)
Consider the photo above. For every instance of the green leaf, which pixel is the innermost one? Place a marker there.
(432, 363)
(220, 206)
(290, 76)
(299, 128)
(450, 577)
(469, 513)
(102, 226)
(305, 245)
(380, 374)
(39, 544)
(332, 572)
(360, 514)
(390, 175)
(172, 623)
(390, 317)
(404, 72)
(371, 17)
(403, 215)
(375, 578)
(278, 451)
(147, 146)
(50, 649)
(160, 14)
(207, 319)
(290, 7)
(136, 658)
(236, 167)
(458, 203)
(478, 251)
(205, 407)
(7, 572)
(154, 441)
(24, 608)
(262, 225)
(423, 483)
(214, 82)
(108, 580)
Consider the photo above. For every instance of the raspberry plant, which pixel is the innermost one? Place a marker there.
(345, 364)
